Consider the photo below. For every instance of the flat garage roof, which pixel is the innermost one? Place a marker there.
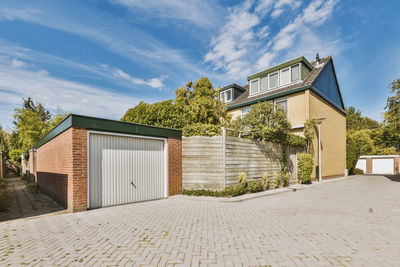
(99, 124)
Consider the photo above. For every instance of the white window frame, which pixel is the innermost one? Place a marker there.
(290, 75)
(223, 95)
(259, 84)
(258, 91)
(279, 100)
(249, 107)
(269, 84)
(298, 64)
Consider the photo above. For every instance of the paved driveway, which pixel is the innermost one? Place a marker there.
(352, 222)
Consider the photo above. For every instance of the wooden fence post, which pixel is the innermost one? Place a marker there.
(223, 157)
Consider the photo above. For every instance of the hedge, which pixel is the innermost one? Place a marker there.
(305, 165)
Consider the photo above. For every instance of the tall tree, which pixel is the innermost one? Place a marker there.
(266, 122)
(196, 103)
(392, 115)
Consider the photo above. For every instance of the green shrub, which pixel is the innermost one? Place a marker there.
(255, 187)
(242, 179)
(201, 129)
(277, 180)
(295, 140)
(285, 179)
(265, 179)
(4, 197)
(352, 153)
(305, 165)
(358, 171)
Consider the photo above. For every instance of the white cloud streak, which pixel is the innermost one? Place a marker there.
(197, 12)
(18, 83)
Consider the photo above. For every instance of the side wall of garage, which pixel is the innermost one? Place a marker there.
(61, 169)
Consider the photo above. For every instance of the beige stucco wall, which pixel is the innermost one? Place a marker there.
(297, 109)
(333, 137)
(235, 113)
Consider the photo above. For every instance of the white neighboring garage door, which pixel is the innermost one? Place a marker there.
(124, 169)
(362, 165)
(383, 166)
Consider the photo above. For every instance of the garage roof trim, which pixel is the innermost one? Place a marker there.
(106, 125)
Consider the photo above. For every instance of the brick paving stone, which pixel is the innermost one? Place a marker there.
(346, 223)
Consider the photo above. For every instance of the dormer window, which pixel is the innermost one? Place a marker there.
(274, 80)
(295, 73)
(285, 76)
(254, 89)
(226, 95)
(277, 77)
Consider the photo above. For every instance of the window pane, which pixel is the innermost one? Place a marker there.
(285, 76)
(245, 110)
(295, 73)
(228, 95)
(254, 87)
(282, 105)
(264, 83)
(273, 80)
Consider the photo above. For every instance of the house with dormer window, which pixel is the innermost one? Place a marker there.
(304, 90)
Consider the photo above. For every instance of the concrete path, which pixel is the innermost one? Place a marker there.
(352, 222)
(25, 203)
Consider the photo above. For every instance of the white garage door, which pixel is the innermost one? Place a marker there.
(383, 166)
(362, 165)
(125, 169)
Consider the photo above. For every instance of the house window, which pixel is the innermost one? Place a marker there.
(245, 110)
(226, 95)
(254, 87)
(264, 84)
(285, 76)
(283, 105)
(273, 80)
(295, 73)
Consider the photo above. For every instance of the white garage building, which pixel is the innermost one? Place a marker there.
(379, 164)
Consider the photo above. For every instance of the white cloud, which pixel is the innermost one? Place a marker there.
(198, 12)
(153, 82)
(234, 42)
(15, 54)
(15, 63)
(241, 50)
(126, 40)
(280, 5)
(17, 83)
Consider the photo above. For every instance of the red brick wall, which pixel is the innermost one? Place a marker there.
(62, 170)
(54, 166)
(174, 166)
(77, 186)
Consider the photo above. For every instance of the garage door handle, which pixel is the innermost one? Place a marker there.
(133, 184)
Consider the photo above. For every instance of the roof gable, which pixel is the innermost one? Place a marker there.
(326, 84)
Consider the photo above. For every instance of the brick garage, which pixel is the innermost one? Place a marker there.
(89, 162)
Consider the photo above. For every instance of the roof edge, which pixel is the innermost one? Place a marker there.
(107, 125)
(299, 89)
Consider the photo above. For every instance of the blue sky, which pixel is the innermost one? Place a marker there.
(100, 58)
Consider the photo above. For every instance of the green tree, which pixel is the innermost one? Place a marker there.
(266, 122)
(195, 106)
(32, 122)
(355, 121)
(392, 115)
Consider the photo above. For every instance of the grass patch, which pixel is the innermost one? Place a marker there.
(4, 198)
(32, 187)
